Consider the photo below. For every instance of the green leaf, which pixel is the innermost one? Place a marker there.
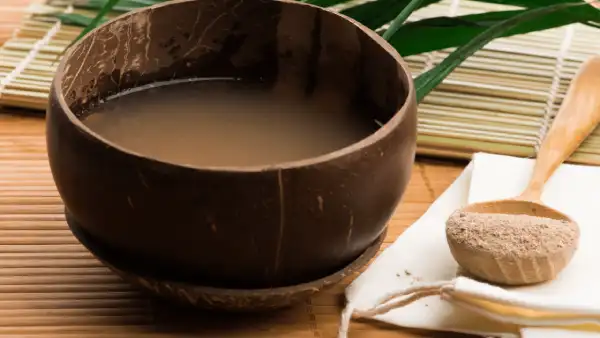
(97, 19)
(454, 21)
(541, 3)
(121, 6)
(530, 3)
(75, 19)
(443, 32)
(427, 81)
(399, 20)
(375, 14)
(378, 13)
(586, 10)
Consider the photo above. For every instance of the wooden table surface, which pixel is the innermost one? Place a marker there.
(11, 13)
(32, 231)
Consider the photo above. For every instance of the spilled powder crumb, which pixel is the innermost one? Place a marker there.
(408, 274)
(511, 235)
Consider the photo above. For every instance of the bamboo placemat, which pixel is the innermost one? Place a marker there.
(501, 100)
(50, 286)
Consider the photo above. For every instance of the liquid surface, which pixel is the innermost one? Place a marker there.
(224, 123)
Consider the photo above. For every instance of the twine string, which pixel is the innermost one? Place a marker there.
(390, 301)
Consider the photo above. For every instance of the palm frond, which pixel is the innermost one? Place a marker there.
(106, 8)
(444, 32)
(427, 81)
(401, 18)
(375, 14)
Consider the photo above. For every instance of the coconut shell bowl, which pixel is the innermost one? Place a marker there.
(285, 231)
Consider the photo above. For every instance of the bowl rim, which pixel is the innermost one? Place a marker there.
(381, 133)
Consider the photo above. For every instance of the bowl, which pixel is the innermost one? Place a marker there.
(214, 298)
(278, 225)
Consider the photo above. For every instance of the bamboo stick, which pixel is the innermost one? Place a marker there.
(38, 217)
(451, 124)
(59, 296)
(454, 144)
(59, 287)
(71, 304)
(475, 114)
(83, 331)
(59, 280)
(53, 271)
(62, 233)
(466, 134)
(55, 256)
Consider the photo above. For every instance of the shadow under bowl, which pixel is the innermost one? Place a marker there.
(213, 298)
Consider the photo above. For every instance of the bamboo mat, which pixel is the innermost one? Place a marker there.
(501, 100)
(504, 98)
(50, 286)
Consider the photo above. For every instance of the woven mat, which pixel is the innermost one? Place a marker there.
(50, 286)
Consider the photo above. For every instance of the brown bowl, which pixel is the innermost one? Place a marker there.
(277, 225)
(211, 298)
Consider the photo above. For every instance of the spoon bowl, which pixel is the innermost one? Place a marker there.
(507, 267)
(516, 207)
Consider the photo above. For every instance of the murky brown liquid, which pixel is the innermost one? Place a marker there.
(224, 123)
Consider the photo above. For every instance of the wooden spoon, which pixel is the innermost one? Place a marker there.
(502, 259)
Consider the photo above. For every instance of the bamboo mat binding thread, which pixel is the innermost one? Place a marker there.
(50, 286)
(501, 100)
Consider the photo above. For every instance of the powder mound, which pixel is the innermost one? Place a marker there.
(511, 235)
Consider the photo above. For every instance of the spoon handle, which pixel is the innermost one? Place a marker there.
(577, 117)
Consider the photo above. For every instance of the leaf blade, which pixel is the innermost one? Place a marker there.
(375, 14)
(540, 3)
(401, 18)
(97, 19)
(443, 32)
(427, 81)
(74, 19)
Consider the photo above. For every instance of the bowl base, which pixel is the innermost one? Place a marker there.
(214, 298)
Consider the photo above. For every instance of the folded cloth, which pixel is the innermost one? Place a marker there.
(416, 282)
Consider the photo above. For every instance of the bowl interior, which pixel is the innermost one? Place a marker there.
(291, 48)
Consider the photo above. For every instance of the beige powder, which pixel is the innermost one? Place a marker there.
(503, 235)
(226, 122)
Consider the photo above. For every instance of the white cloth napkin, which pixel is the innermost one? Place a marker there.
(420, 272)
